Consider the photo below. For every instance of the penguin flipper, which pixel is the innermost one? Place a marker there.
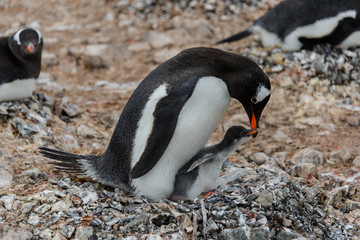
(237, 36)
(166, 114)
(67, 162)
(200, 161)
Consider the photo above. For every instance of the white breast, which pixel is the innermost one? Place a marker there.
(197, 121)
(352, 40)
(17, 89)
(318, 29)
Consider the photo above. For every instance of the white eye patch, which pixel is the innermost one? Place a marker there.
(17, 35)
(261, 93)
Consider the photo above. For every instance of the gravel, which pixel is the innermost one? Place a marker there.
(298, 180)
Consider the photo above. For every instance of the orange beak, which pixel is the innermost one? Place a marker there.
(30, 47)
(253, 120)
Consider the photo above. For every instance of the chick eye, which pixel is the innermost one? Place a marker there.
(254, 100)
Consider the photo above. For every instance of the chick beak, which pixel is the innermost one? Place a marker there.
(30, 47)
(252, 132)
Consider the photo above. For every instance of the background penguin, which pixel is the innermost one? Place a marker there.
(296, 24)
(201, 172)
(20, 63)
(169, 118)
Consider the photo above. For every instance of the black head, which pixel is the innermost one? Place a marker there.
(26, 44)
(236, 135)
(248, 84)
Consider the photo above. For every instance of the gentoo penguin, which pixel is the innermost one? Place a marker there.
(169, 118)
(20, 63)
(296, 24)
(201, 172)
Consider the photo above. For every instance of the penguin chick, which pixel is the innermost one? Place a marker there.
(294, 24)
(201, 172)
(20, 63)
(169, 118)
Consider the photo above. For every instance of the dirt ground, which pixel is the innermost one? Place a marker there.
(302, 114)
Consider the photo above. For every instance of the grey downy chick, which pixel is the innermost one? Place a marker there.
(201, 172)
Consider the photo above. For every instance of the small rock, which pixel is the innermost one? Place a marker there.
(356, 162)
(265, 199)
(71, 109)
(58, 236)
(25, 130)
(86, 132)
(68, 231)
(139, 47)
(351, 205)
(260, 233)
(288, 234)
(341, 155)
(88, 197)
(336, 195)
(62, 206)
(49, 59)
(19, 234)
(96, 56)
(7, 201)
(259, 158)
(312, 121)
(312, 192)
(161, 39)
(6, 174)
(46, 234)
(43, 208)
(33, 219)
(304, 170)
(233, 234)
(83, 233)
(26, 207)
(281, 136)
(308, 155)
(164, 54)
(34, 174)
(211, 226)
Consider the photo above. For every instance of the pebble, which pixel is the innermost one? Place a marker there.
(308, 155)
(233, 234)
(83, 233)
(88, 197)
(45, 234)
(86, 132)
(96, 56)
(265, 199)
(19, 234)
(304, 170)
(259, 158)
(33, 219)
(7, 201)
(26, 207)
(62, 206)
(34, 174)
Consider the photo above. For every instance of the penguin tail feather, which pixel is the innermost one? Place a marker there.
(67, 162)
(237, 36)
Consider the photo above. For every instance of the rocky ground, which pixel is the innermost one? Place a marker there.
(299, 179)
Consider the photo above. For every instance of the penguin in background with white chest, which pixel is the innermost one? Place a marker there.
(20, 63)
(169, 118)
(296, 24)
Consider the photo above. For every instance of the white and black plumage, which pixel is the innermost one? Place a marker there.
(20, 63)
(169, 118)
(296, 24)
(202, 171)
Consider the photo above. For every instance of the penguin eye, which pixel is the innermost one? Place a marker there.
(254, 100)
